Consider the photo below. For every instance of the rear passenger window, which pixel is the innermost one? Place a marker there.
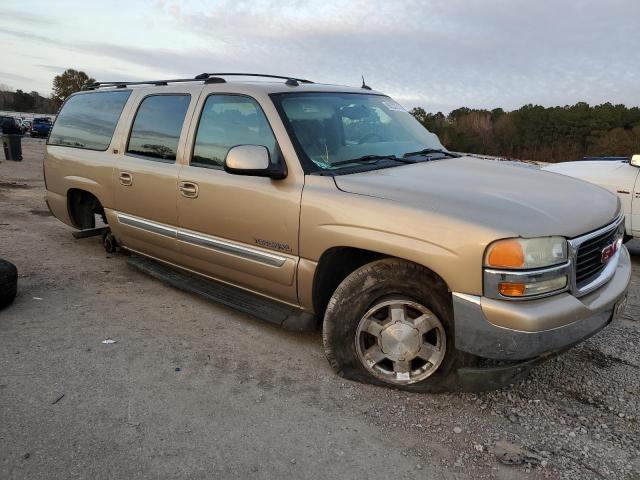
(157, 126)
(227, 121)
(88, 120)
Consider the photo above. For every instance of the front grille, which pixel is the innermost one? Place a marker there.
(589, 257)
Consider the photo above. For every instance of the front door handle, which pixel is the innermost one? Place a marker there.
(189, 189)
(126, 179)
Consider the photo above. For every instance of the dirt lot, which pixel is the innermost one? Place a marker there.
(194, 390)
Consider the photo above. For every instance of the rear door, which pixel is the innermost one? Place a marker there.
(146, 174)
(239, 229)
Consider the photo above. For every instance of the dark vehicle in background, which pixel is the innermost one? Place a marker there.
(41, 127)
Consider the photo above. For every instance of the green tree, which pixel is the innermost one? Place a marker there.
(69, 82)
(534, 132)
(22, 102)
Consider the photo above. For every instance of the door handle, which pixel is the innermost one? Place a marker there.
(189, 189)
(126, 179)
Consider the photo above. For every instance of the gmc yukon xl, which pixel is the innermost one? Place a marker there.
(317, 205)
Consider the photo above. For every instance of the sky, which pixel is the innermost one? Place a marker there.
(438, 54)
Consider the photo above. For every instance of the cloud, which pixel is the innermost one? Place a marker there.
(440, 53)
(24, 16)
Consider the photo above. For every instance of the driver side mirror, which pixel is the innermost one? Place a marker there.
(635, 160)
(253, 160)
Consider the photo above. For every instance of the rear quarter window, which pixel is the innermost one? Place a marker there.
(88, 120)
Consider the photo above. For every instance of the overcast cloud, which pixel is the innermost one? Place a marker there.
(438, 54)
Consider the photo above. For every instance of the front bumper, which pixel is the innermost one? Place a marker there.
(523, 330)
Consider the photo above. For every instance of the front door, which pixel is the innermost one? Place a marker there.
(147, 176)
(238, 229)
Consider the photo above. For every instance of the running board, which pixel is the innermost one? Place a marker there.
(89, 232)
(287, 317)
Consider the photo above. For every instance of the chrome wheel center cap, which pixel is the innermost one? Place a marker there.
(400, 341)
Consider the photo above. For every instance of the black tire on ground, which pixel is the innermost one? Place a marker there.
(367, 286)
(109, 242)
(8, 283)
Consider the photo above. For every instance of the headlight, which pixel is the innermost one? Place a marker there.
(524, 253)
(519, 268)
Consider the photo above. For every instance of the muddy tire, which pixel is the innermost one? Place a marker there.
(8, 283)
(390, 323)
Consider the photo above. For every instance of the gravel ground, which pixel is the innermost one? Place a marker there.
(192, 389)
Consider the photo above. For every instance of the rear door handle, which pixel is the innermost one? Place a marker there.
(189, 189)
(126, 179)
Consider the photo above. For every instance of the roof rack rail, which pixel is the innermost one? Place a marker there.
(206, 77)
(93, 86)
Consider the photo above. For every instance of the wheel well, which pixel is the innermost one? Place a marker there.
(334, 266)
(83, 207)
(338, 263)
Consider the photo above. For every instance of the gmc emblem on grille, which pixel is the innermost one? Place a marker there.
(608, 252)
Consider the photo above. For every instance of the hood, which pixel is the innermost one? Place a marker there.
(587, 168)
(515, 200)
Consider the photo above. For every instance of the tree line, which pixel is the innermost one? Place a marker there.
(533, 132)
(65, 84)
(20, 101)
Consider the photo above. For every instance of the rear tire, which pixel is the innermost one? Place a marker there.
(390, 323)
(8, 283)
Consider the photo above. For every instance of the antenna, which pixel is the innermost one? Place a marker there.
(364, 85)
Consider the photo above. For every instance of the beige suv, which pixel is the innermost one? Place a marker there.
(309, 204)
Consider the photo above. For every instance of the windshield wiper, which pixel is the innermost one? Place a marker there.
(428, 151)
(369, 158)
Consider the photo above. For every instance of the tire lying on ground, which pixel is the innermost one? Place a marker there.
(8, 282)
(391, 323)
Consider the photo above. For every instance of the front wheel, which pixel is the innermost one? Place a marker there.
(391, 323)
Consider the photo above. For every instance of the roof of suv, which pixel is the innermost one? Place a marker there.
(286, 84)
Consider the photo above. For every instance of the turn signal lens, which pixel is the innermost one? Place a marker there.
(512, 289)
(508, 289)
(506, 254)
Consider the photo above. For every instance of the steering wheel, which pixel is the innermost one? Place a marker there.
(369, 136)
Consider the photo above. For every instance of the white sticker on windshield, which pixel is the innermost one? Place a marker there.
(391, 105)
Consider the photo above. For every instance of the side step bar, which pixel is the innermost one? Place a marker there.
(89, 232)
(271, 311)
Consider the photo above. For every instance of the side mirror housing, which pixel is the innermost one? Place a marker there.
(635, 160)
(253, 160)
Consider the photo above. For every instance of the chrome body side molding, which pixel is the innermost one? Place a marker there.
(206, 241)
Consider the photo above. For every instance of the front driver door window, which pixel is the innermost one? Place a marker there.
(227, 121)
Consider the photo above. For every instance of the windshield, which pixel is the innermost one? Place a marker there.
(333, 128)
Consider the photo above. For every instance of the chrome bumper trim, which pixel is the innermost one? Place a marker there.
(574, 320)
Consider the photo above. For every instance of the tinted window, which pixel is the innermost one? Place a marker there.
(88, 120)
(227, 121)
(157, 126)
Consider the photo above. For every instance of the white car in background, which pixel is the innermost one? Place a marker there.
(619, 175)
